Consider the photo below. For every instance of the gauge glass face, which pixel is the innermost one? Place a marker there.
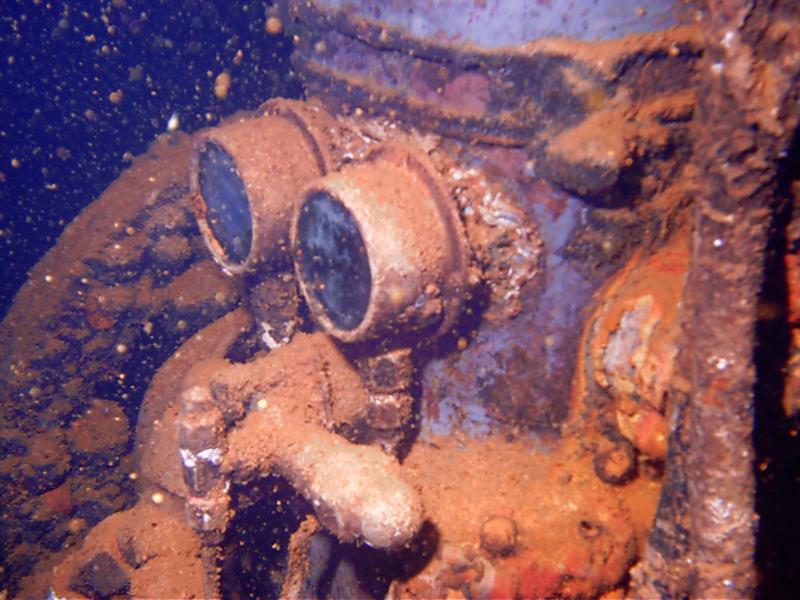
(227, 207)
(333, 261)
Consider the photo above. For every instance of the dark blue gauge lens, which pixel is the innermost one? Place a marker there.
(227, 209)
(333, 260)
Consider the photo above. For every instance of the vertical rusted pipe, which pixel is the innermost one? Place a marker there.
(746, 116)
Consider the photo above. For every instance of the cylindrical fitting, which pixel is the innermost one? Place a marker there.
(246, 176)
(379, 250)
(358, 492)
(200, 440)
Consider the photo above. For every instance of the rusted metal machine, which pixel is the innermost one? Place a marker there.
(480, 321)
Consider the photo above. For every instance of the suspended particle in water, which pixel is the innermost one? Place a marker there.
(174, 122)
(274, 26)
(135, 73)
(222, 85)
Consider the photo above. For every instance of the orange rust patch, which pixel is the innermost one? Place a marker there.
(59, 500)
(99, 320)
(539, 582)
(650, 434)
(793, 284)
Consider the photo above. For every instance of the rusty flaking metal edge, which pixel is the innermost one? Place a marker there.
(703, 540)
(529, 88)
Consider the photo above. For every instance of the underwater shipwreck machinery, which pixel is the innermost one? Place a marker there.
(478, 318)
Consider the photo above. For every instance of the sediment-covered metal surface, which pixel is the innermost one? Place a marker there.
(128, 280)
(549, 386)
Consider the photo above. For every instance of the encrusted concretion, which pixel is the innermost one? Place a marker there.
(541, 382)
(633, 343)
(357, 492)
